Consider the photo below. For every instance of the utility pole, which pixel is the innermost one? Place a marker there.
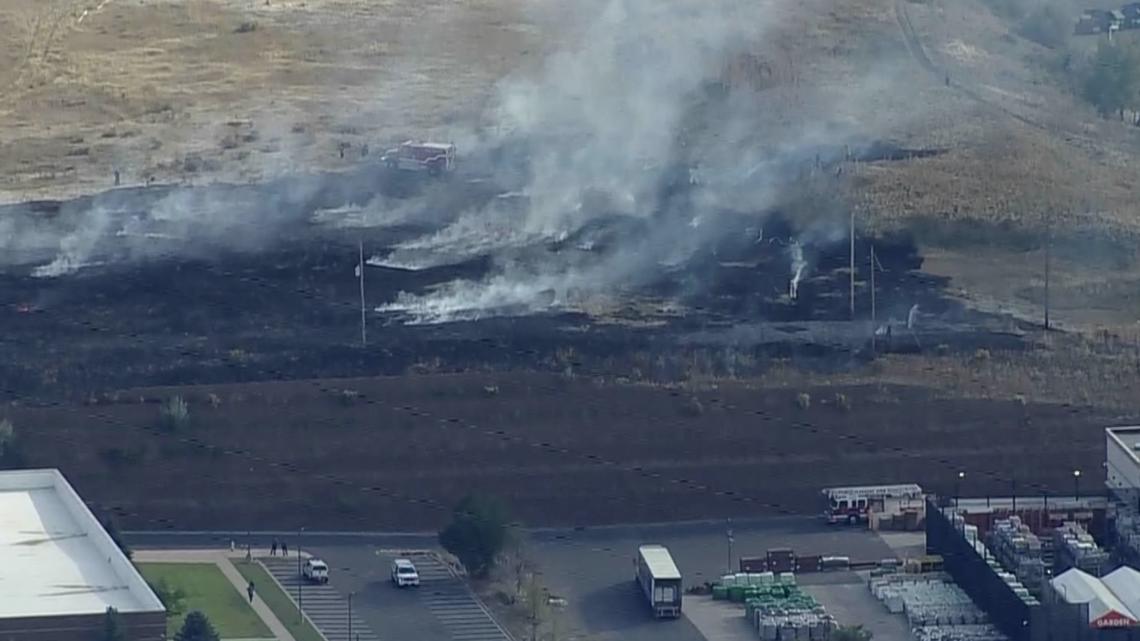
(363, 317)
(300, 581)
(1048, 261)
(872, 263)
(852, 297)
(874, 324)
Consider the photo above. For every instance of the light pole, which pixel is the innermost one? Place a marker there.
(300, 580)
(728, 534)
(1077, 484)
(957, 488)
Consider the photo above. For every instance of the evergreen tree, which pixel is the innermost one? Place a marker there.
(196, 627)
(112, 630)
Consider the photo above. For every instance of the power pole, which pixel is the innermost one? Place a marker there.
(874, 324)
(852, 296)
(1048, 261)
(363, 317)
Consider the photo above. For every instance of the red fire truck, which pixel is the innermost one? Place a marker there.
(852, 505)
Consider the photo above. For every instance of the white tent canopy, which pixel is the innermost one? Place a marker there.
(1125, 584)
(1106, 607)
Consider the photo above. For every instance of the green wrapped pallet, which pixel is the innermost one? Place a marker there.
(719, 592)
(736, 594)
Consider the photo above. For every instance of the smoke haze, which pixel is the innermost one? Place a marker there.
(625, 156)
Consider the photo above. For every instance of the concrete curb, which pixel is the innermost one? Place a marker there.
(434, 536)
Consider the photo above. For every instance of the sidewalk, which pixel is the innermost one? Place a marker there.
(221, 558)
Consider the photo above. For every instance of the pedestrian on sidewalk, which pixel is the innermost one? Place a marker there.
(273, 548)
(284, 549)
(249, 591)
(233, 545)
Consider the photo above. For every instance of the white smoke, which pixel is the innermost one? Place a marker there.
(602, 123)
(798, 266)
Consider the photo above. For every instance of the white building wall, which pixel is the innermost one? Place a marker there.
(1122, 469)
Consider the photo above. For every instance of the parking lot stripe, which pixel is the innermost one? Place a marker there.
(323, 604)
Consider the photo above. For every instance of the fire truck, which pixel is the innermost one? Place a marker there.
(435, 158)
(852, 505)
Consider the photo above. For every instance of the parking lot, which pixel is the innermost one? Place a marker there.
(441, 609)
(591, 568)
(594, 569)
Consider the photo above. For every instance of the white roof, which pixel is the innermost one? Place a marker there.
(404, 563)
(56, 557)
(1125, 584)
(660, 562)
(1076, 586)
(908, 489)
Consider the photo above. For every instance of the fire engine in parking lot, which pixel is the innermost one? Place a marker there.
(853, 505)
(436, 158)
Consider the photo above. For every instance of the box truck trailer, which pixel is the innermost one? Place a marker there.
(660, 580)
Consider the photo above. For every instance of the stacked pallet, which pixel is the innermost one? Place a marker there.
(1018, 550)
(1074, 547)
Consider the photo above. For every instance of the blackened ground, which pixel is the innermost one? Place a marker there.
(269, 295)
(293, 311)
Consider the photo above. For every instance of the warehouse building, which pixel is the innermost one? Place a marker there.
(61, 570)
(1122, 481)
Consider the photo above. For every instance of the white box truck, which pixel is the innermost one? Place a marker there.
(660, 580)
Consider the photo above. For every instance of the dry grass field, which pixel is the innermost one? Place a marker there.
(243, 90)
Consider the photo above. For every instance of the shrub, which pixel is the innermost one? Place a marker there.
(120, 457)
(11, 450)
(196, 627)
(248, 26)
(982, 355)
(348, 396)
(476, 534)
(692, 408)
(112, 627)
(1048, 25)
(803, 400)
(1111, 78)
(113, 531)
(174, 414)
(173, 598)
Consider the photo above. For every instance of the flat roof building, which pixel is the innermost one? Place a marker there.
(61, 570)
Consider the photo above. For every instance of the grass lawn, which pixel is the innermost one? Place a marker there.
(283, 606)
(208, 590)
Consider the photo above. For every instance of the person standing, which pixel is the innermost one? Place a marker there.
(284, 549)
(273, 548)
(249, 591)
